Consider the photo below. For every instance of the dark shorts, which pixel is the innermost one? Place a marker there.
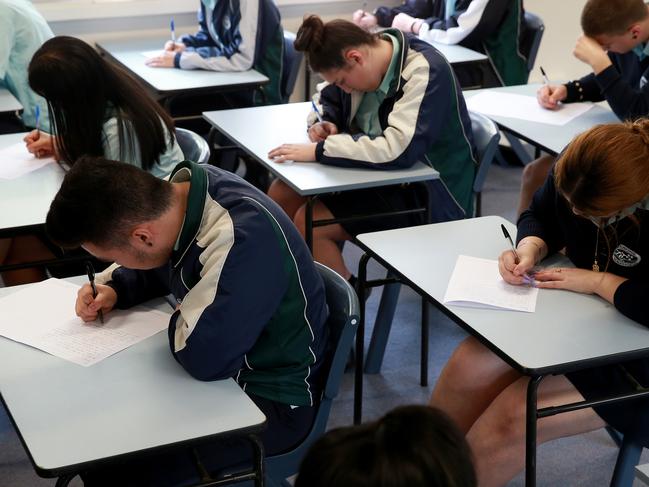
(286, 427)
(392, 198)
(610, 380)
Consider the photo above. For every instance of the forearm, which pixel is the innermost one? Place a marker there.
(534, 246)
(608, 285)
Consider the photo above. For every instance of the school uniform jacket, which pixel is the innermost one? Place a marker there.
(424, 119)
(492, 27)
(623, 85)
(238, 35)
(626, 254)
(251, 302)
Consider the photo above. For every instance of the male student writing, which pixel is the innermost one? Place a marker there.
(251, 304)
(614, 45)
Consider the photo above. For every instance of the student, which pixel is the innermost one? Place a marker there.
(492, 27)
(96, 109)
(392, 100)
(411, 446)
(595, 206)
(22, 31)
(614, 45)
(251, 304)
(233, 36)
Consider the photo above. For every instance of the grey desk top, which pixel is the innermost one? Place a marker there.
(25, 201)
(135, 400)
(567, 331)
(456, 54)
(8, 102)
(642, 473)
(170, 80)
(551, 138)
(259, 129)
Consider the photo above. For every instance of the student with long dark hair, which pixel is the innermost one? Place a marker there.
(391, 100)
(594, 205)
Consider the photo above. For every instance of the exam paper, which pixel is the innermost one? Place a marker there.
(477, 283)
(524, 108)
(16, 161)
(42, 316)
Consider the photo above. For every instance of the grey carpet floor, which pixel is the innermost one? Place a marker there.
(585, 460)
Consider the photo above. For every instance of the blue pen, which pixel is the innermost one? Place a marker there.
(317, 112)
(173, 31)
(37, 114)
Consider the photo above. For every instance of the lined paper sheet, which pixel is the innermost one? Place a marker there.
(42, 316)
(524, 108)
(477, 283)
(16, 161)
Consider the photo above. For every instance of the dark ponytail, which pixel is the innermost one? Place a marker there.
(325, 44)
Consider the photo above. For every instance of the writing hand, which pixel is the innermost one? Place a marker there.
(549, 96)
(172, 46)
(321, 130)
(516, 272)
(87, 307)
(40, 144)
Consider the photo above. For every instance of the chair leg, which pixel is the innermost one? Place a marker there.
(382, 326)
(627, 459)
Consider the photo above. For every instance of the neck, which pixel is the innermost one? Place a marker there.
(172, 221)
(381, 54)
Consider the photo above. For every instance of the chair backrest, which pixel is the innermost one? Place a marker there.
(195, 148)
(533, 29)
(291, 66)
(485, 137)
(342, 323)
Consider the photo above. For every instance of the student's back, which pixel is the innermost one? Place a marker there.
(22, 31)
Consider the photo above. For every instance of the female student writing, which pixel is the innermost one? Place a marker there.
(95, 109)
(391, 101)
(594, 205)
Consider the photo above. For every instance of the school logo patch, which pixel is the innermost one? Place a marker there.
(625, 257)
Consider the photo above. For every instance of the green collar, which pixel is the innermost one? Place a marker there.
(388, 79)
(197, 177)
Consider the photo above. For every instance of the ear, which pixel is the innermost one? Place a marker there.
(635, 31)
(142, 236)
(354, 56)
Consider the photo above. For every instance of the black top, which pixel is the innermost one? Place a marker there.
(623, 247)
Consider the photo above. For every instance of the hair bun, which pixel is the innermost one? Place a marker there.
(641, 128)
(310, 34)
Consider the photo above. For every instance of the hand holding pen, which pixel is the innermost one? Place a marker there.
(550, 95)
(516, 266)
(172, 45)
(321, 130)
(91, 278)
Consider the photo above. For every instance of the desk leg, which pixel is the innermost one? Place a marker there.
(425, 324)
(308, 223)
(360, 340)
(64, 480)
(530, 435)
(258, 464)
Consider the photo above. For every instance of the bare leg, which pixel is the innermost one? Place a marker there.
(26, 248)
(325, 239)
(498, 437)
(284, 196)
(473, 371)
(534, 175)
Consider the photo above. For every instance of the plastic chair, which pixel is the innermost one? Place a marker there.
(486, 137)
(195, 148)
(531, 40)
(342, 323)
(291, 66)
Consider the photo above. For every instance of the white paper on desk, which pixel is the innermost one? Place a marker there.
(476, 282)
(524, 108)
(16, 161)
(151, 54)
(42, 316)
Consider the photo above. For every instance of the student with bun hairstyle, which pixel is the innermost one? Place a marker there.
(391, 100)
(595, 205)
(411, 446)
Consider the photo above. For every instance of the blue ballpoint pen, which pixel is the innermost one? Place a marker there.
(317, 112)
(173, 31)
(37, 115)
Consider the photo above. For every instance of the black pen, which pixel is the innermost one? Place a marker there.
(546, 81)
(91, 277)
(511, 242)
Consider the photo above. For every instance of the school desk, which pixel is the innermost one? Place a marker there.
(257, 130)
(642, 473)
(8, 102)
(549, 138)
(71, 418)
(568, 331)
(167, 83)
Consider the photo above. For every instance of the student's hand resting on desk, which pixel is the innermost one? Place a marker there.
(172, 46)
(549, 96)
(164, 60)
(589, 51)
(407, 23)
(321, 130)
(293, 152)
(40, 144)
(87, 308)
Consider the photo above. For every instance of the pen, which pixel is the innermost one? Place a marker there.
(91, 277)
(317, 112)
(37, 114)
(173, 31)
(546, 81)
(511, 242)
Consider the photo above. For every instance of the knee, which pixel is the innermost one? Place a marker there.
(299, 219)
(461, 367)
(277, 190)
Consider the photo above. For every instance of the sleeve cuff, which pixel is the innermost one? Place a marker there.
(177, 60)
(319, 151)
(575, 91)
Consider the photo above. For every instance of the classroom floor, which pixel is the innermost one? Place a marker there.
(585, 460)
